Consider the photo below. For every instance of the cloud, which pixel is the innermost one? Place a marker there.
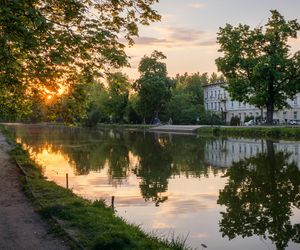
(176, 37)
(208, 43)
(185, 34)
(151, 41)
(197, 5)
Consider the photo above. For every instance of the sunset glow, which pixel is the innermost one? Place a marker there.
(188, 30)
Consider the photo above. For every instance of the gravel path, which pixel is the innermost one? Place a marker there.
(20, 226)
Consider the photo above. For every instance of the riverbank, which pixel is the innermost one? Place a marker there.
(272, 132)
(20, 226)
(92, 225)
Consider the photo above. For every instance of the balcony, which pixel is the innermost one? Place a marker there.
(222, 98)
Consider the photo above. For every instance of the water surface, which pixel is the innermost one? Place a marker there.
(224, 193)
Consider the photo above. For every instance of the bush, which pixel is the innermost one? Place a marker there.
(235, 121)
(249, 118)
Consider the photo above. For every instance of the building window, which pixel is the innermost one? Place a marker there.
(211, 105)
(284, 115)
(295, 100)
(232, 104)
(295, 115)
(239, 104)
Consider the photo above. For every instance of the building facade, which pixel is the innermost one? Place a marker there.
(217, 99)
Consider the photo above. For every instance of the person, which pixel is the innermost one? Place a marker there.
(170, 121)
(197, 120)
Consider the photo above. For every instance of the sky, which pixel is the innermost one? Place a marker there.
(188, 30)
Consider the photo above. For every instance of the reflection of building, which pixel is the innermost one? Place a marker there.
(217, 99)
(222, 153)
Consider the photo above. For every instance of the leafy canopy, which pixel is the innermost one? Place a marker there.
(258, 64)
(44, 43)
(153, 86)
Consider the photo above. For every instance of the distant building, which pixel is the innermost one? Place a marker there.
(217, 99)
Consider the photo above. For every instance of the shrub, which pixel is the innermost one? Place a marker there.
(235, 121)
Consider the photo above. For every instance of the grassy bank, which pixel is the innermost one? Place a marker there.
(92, 225)
(289, 133)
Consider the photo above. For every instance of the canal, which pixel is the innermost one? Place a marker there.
(223, 193)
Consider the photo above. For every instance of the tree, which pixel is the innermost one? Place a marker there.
(153, 86)
(186, 103)
(97, 110)
(258, 65)
(215, 78)
(48, 43)
(259, 196)
(118, 91)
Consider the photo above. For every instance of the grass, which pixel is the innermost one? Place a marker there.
(254, 132)
(92, 225)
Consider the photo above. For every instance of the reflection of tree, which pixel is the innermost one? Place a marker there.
(259, 197)
(154, 168)
(159, 156)
(188, 155)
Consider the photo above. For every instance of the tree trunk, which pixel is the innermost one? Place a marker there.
(270, 101)
(270, 111)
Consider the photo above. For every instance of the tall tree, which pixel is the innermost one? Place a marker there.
(48, 43)
(186, 103)
(118, 90)
(258, 65)
(153, 86)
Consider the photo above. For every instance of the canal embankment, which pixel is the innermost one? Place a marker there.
(20, 226)
(91, 225)
(265, 132)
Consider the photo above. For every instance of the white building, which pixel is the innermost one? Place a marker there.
(217, 99)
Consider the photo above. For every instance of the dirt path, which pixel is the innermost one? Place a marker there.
(20, 226)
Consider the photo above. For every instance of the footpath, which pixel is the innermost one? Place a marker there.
(20, 226)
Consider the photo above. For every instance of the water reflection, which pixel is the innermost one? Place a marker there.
(167, 182)
(259, 197)
(152, 158)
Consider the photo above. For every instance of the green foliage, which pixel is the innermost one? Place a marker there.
(186, 103)
(211, 118)
(248, 118)
(262, 132)
(153, 86)
(47, 43)
(97, 110)
(181, 108)
(235, 121)
(258, 65)
(132, 113)
(118, 91)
